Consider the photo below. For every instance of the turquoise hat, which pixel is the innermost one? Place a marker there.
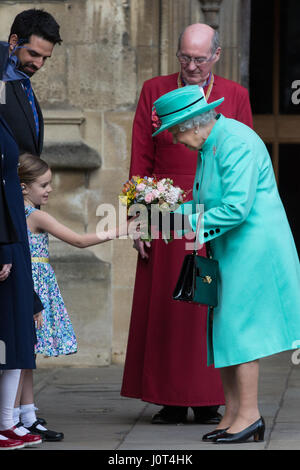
(180, 105)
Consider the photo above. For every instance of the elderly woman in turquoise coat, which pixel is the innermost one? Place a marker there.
(258, 312)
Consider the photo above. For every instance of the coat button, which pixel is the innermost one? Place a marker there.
(205, 234)
(217, 230)
(211, 232)
(197, 186)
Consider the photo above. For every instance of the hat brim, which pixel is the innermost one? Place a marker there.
(187, 114)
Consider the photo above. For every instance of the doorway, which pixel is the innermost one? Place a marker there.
(274, 79)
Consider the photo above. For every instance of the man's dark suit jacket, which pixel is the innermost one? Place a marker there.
(18, 114)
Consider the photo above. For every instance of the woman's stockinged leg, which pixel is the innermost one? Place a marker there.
(246, 382)
(228, 376)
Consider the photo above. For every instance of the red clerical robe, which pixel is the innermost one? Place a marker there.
(166, 353)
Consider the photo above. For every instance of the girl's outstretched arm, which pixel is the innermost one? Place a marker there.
(42, 221)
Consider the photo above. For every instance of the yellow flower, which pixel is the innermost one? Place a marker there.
(123, 200)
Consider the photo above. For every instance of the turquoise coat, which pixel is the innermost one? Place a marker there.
(259, 287)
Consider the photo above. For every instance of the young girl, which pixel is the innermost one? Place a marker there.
(55, 334)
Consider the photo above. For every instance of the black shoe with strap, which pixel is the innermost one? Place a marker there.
(47, 434)
(41, 421)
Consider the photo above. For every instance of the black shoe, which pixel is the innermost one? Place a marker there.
(47, 435)
(207, 414)
(171, 415)
(41, 421)
(211, 435)
(255, 430)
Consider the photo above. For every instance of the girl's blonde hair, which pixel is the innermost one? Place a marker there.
(31, 167)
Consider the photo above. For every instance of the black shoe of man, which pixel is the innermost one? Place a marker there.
(171, 415)
(207, 414)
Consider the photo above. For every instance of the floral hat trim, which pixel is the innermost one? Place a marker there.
(156, 122)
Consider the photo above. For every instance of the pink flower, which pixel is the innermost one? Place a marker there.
(149, 197)
(160, 186)
(156, 122)
(141, 187)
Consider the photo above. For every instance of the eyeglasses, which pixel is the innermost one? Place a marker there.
(185, 59)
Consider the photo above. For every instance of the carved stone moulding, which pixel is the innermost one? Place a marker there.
(64, 147)
(71, 156)
(211, 10)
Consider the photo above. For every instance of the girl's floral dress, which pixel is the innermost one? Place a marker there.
(56, 336)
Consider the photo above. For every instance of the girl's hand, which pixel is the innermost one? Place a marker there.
(5, 271)
(129, 228)
(141, 246)
(38, 319)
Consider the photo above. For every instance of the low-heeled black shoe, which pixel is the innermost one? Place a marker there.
(47, 434)
(211, 435)
(171, 415)
(41, 421)
(206, 414)
(255, 430)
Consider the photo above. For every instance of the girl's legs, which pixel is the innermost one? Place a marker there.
(9, 381)
(26, 396)
(20, 387)
(24, 405)
(25, 410)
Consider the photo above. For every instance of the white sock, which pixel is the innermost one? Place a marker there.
(16, 418)
(9, 382)
(16, 415)
(27, 415)
(21, 431)
(40, 427)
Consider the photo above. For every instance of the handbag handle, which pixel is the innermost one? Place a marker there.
(207, 244)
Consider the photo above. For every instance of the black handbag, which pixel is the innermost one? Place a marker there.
(198, 279)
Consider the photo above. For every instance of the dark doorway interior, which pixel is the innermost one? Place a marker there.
(274, 67)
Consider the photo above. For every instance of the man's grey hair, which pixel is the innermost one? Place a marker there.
(198, 121)
(215, 43)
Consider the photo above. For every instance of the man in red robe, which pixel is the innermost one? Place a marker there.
(166, 353)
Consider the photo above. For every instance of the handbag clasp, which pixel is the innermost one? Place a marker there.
(207, 279)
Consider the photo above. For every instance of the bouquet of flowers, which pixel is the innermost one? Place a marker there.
(153, 194)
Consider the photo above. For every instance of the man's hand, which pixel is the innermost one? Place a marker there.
(38, 319)
(5, 271)
(141, 246)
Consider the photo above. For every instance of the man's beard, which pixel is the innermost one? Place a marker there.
(23, 68)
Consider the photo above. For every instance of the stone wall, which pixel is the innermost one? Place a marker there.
(88, 91)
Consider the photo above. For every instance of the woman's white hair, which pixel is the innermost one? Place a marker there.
(197, 121)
